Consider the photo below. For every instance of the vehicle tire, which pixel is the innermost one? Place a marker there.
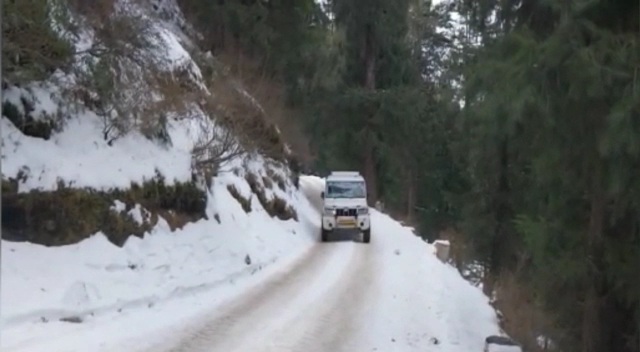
(366, 236)
(324, 236)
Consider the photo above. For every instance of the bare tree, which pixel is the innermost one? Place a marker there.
(215, 146)
(119, 65)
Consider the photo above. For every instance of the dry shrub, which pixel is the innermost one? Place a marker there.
(178, 92)
(279, 208)
(215, 146)
(69, 215)
(237, 112)
(252, 180)
(522, 318)
(122, 64)
(276, 206)
(271, 95)
(176, 220)
(266, 181)
(31, 49)
(244, 202)
(257, 189)
(119, 31)
(124, 103)
(95, 11)
(272, 175)
(116, 106)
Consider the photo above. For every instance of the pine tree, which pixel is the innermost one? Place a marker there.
(566, 86)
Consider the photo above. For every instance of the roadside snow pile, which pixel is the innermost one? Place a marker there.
(423, 301)
(312, 187)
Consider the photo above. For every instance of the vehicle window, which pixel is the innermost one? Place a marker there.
(346, 189)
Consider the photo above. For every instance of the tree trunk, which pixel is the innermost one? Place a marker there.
(487, 281)
(591, 319)
(502, 215)
(411, 199)
(222, 32)
(370, 85)
(370, 168)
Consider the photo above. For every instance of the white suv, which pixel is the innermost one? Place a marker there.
(345, 205)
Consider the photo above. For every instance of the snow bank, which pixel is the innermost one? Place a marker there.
(494, 348)
(427, 303)
(98, 282)
(313, 186)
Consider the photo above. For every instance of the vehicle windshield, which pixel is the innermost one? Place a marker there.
(345, 189)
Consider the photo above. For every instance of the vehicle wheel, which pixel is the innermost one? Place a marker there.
(325, 235)
(366, 236)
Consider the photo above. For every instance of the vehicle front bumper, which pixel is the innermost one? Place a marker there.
(356, 223)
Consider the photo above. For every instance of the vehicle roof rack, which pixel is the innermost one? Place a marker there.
(345, 173)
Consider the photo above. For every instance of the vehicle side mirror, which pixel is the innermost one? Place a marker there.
(322, 195)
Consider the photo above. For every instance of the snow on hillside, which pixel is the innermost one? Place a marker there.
(42, 284)
(95, 277)
(79, 153)
(81, 157)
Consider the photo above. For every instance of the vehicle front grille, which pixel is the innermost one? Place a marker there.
(346, 212)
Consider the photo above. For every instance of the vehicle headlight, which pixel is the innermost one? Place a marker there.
(329, 211)
(363, 211)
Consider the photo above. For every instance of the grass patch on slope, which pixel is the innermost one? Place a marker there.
(69, 215)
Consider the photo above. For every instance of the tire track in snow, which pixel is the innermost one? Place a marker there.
(313, 319)
(329, 319)
(308, 308)
(338, 320)
(253, 311)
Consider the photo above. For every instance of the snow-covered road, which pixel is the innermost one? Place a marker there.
(316, 304)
